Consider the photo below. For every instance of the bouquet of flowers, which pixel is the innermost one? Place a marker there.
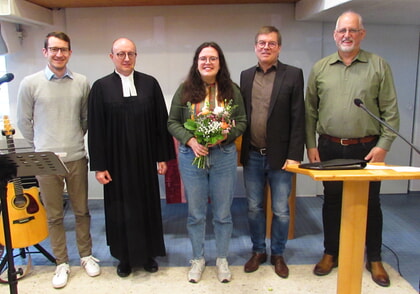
(210, 127)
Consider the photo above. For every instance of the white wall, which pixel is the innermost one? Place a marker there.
(167, 37)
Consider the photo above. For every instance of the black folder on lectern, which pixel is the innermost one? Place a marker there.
(335, 164)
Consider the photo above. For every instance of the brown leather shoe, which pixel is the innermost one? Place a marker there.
(325, 265)
(280, 267)
(254, 262)
(379, 274)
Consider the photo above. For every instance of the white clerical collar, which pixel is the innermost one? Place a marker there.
(128, 85)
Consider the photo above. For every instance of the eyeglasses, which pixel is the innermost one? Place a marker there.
(122, 55)
(350, 31)
(55, 50)
(262, 44)
(211, 59)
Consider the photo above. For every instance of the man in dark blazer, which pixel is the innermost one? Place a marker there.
(273, 96)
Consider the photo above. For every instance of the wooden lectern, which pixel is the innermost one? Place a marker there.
(354, 216)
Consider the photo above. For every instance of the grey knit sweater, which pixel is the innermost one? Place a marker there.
(52, 114)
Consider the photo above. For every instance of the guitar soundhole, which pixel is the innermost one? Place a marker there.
(20, 202)
(33, 205)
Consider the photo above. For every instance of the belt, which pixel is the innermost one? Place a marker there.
(351, 141)
(262, 151)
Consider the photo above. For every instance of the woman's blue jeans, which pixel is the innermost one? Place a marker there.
(256, 174)
(216, 183)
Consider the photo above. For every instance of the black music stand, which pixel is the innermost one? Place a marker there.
(20, 165)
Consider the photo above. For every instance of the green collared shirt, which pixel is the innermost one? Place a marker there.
(332, 88)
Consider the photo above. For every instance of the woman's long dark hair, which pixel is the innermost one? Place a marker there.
(194, 90)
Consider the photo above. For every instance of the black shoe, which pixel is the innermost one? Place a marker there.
(123, 270)
(151, 265)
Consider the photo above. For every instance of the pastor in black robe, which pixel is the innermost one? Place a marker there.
(128, 136)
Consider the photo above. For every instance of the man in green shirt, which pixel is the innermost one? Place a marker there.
(345, 131)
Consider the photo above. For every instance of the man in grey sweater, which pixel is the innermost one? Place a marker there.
(52, 116)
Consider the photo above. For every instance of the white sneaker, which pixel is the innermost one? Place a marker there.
(89, 263)
(197, 268)
(223, 273)
(61, 275)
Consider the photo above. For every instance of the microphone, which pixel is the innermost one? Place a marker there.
(6, 78)
(359, 103)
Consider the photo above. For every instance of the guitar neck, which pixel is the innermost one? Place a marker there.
(17, 182)
(10, 144)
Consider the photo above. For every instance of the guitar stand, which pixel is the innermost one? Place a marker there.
(24, 251)
(18, 165)
(44, 252)
(22, 270)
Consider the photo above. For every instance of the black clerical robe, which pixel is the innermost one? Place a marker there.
(128, 136)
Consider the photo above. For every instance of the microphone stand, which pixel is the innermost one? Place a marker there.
(8, 170)
(359, 103)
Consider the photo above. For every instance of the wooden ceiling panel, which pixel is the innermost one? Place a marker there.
(114, 3)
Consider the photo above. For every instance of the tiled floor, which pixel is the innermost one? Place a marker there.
(173, 280)
(401, 236)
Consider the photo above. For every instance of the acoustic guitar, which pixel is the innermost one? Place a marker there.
(27, 216)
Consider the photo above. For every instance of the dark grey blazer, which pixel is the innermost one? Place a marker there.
(286, 118)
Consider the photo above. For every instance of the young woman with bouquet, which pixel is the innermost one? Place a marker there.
(206, 116)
